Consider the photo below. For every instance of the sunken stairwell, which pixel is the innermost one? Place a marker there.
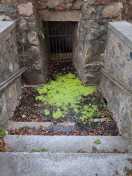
(64, 155)
(39, 155)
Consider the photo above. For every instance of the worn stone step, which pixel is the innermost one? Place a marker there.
(67, 144)
(60, 164)
(37, 125)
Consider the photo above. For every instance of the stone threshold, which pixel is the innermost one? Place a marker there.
(67, 144)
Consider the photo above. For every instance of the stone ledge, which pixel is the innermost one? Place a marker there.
(4, 25)
(67, 144)
(37, 125)
(123, 29)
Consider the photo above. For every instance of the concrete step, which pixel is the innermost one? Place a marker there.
(67, 144)
(44, 125)
(62, 164)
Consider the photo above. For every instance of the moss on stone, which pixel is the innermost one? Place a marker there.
(65, 93)
(39, 150)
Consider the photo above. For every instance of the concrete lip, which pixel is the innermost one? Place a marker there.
(67, 144)
(62, 164)
(37, 125)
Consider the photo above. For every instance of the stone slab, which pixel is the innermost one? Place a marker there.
(49, 164)
(67, 144)
(4, 25)
(123, 29)
(116, 81)
(37, 125)
(10, 88)
(118, 54)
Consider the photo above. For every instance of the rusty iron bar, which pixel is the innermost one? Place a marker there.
(12, 78)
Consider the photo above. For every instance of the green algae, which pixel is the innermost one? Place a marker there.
(64, 94)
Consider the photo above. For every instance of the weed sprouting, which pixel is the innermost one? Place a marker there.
(65, 93)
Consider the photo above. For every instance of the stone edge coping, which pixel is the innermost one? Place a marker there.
(6, 27)
(123, 29)
(79, 144)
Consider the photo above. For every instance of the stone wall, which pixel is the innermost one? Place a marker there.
(30, 51)
(8, 9)
(91, 36)
(60, 5)
(30, 54)
(127, 13)
(89, 41)
(8, 58)
(116, 82)
(9, 94)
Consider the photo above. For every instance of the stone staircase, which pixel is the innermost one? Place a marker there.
(66, 156)
(67, 144)
(64, 164)
(37, 155)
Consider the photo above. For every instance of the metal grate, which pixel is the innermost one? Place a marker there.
(60, 39)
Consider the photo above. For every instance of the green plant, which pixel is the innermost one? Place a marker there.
(98, 141)
(58, 114)
(87, 113)
(63, 93)
(2, 133)
(40, 150)
(46, 112)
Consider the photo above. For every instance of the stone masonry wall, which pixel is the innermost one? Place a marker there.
(30, 54)
(8, 9)
(8, 52)
(116, 82)
(8, 65)
(91, 36)
(127, 13)
(59, 10)
(60, 5)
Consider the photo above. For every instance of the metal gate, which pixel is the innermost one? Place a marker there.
(60, 39)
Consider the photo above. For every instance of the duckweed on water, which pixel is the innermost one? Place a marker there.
(64, 94)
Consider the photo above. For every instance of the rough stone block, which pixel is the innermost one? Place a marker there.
(8, 65)
(116, 79)
(118, 55)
